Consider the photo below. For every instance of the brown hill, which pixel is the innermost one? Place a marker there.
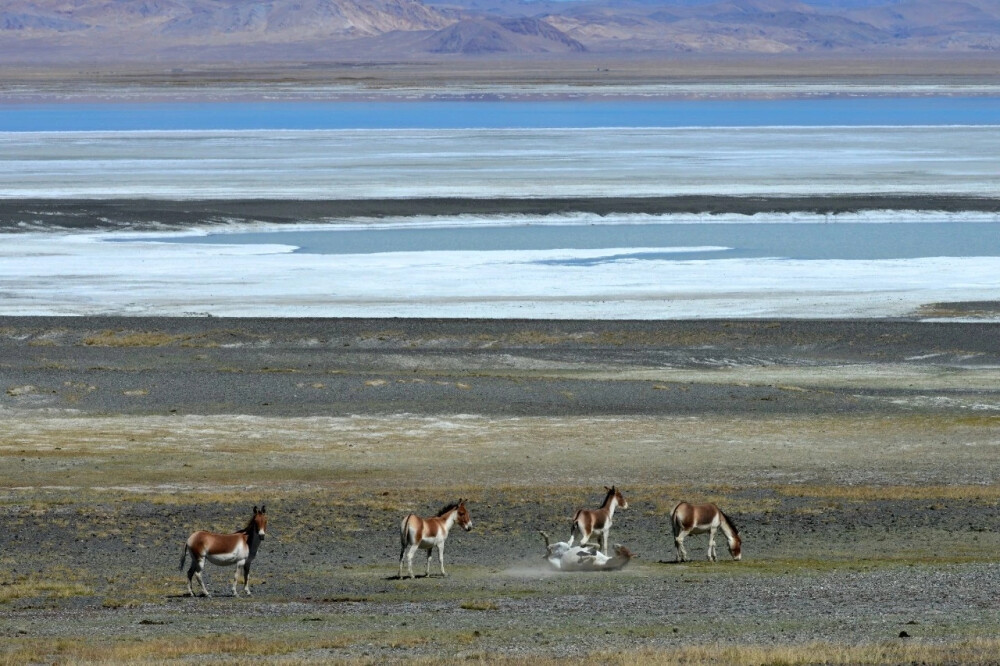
(290, 30)
(520, 35)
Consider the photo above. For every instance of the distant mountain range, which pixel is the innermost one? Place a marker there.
(272, 30)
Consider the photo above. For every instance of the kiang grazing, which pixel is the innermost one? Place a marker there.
(597, 522)
(239, 548)
(426, 533)
(698, 519)
(564, 557)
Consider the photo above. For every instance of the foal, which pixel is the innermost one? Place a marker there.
(588, 522)
(239, 548)
(698, 519)
(426, 533)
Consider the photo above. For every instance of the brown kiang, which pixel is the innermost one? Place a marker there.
(427, 533)
(597, 522)
(239, 548)
(700, 518)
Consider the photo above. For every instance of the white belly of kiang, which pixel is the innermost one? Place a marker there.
(224, 559)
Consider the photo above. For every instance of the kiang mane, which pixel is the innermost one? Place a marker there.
(447, 509)
(729, 520)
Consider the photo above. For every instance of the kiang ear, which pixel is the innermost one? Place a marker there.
(263, 508)
(255, 511)
(609, 489)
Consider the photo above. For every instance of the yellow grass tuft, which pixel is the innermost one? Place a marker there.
(54, 585)
(233, 649)
(979, 651)
(976, 493)
(133, 339)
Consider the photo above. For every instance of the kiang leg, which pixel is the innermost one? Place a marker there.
(711, 544)
(236, 576)
(201, 579)
(604, 541)
(246, 578)
(441, 558)
(410, 552)
(192, 571)
(679, 545)
(430, 551)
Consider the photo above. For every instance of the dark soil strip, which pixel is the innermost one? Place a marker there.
(34, 214)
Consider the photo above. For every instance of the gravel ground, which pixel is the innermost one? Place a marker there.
(858, 459)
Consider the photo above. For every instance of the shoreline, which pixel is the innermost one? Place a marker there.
(21, 215)
(596, 74)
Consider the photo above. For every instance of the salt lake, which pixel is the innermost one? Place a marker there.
(795, 111)
(875, 263)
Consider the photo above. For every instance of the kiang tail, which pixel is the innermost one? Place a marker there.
(673, 518)
(184, 556)
(404, 528)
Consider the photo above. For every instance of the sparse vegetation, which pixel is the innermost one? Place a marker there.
(134, 339)
(983, 493)
(855, 518)
(57, 583)
(238, 649)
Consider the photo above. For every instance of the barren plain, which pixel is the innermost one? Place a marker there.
(859, 460)
(635, 75)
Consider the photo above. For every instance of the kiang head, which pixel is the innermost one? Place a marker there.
(619, 498)
(464, 519)
(735, 542)
(259, 521)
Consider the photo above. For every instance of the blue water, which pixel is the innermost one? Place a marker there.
(812, 112)
(845, 241)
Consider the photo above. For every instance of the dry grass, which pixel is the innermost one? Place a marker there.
(55, 584)
(235, 649)
(131, 591)
(219, 648)
(987, 494)
(133, 339)
(162, 455)
(979, 651)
